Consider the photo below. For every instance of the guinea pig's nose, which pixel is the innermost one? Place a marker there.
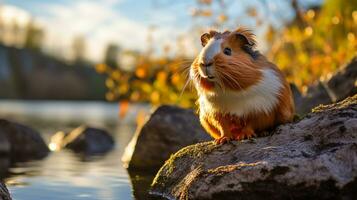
(206, 64)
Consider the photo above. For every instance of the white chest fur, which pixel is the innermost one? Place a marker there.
(262, 97)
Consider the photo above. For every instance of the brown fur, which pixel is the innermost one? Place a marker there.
(232, 77)
(239, 72)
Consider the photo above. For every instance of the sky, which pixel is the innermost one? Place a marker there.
(127, 22)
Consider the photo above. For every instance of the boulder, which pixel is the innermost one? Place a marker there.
(342, 84)
(297, 96)
(5, 164)
(4, 144)
(316, 94)
(168, 129)
(84, 140)
(314, 158)
(20, 142)
(339, 86)
(4, 192)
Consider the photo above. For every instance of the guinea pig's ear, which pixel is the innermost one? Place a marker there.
(245, 37)
(204, 38)
(245, 40)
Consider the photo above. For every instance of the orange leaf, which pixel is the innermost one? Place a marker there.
(123, 108)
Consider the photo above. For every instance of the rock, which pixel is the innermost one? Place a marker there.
(339, 86)
(4, 144)
(343, 83)
(169, 129)
(296, 93)
(314, 158)
(20, 142)
(85, 140)
(140, 182)
(4, 166)
(316, 94)
(4, 192)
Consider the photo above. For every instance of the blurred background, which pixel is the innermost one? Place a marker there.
(65, 63)
(55, 50)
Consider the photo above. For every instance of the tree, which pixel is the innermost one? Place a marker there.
(79, 49)
(2, 28)
(323, 42)
(111, 55)
(34, 36)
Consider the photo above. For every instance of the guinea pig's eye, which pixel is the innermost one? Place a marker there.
(227, 51)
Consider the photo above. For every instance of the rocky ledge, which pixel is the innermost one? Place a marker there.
(328, 90)
(4, 193)
(313, 158)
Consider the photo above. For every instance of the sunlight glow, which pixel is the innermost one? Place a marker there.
(56, 141)
(53, 146)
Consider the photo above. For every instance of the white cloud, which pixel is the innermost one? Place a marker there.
(11, 13)
(64, 22)
(100, 24)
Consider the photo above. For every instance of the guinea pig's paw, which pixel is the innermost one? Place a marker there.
(245, 134)
(222, 140)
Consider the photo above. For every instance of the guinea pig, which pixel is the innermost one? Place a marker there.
(240, 93)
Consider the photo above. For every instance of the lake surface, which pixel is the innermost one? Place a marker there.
(63, 174)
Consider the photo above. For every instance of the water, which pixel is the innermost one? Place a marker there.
(63, 174)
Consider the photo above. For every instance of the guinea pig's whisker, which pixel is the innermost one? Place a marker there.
(189, 80)
(196, 76)
(186, 60)
(236, 82)
(223, 69)
(199, 77)
(184, 69)
(248, 65)
(230, 78)
(184, 87)
(220, 83)
(185, 72)
(184, 65)
(182, 62)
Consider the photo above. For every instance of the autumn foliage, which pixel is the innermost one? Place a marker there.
(313, 47)
(310, 47)
(154, 80)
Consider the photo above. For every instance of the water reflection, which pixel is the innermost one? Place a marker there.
(64, 174)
